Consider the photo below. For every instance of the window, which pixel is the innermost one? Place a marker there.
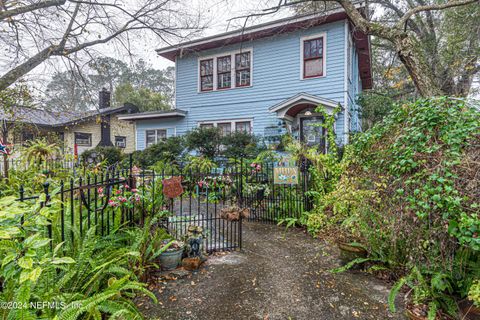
(242, 69)
(154, 136)
(83, 139)
(313, 57)
(20, 138)
(206, 75)
(243, 126)
(120, 142)
(225, 128)
(224, 72)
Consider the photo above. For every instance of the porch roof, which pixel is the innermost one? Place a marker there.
(174, 113)
(289, 108)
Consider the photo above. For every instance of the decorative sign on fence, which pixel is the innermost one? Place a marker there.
(172, 187)
(285, 175)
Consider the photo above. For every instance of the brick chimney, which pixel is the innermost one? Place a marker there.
(104, 99)
(104, 102)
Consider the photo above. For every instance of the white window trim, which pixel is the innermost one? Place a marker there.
(314, 36)
(232, 123)
(166, 129)
(232, 63)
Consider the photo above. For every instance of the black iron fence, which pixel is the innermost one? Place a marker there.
(182, 196)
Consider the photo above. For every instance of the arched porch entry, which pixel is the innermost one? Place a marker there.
(302, 121)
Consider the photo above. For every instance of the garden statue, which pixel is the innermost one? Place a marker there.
(194, 241)
(194, 250)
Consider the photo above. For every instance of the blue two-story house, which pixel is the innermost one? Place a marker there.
(267, 80)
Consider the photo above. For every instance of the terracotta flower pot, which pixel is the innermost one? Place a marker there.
(412, 316)
(468, 310)
(350, 252)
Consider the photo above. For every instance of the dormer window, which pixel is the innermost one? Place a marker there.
(313, 57)
(206, 75)
(226, 70)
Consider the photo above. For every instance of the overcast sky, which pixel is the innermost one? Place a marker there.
(217, 13)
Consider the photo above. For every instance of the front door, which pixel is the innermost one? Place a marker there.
(311, 131)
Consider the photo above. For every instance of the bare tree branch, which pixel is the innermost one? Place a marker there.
(432, 7)
(31, 7)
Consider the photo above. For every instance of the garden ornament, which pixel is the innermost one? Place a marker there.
(4, 148)
(195, 241)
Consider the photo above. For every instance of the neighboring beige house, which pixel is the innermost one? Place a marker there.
(87, 130)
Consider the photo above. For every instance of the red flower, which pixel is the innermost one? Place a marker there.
(118, 191)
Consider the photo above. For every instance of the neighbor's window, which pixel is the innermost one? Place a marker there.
(83, 139)
(120, 142)
(242, 69)
(225, 128)
(243, 126)
(154, 136)
(224, 72)
(313, 58)
(206, 75)
(206, 125)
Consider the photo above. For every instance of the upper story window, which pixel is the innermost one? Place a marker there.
(225, 71)
(206, 75)
(313, 57)
(242, 69)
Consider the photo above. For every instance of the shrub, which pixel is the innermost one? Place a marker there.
(199, 164)
(167, 151)
(106, 155)
(239, 144)
(205, 141)
(411, 194)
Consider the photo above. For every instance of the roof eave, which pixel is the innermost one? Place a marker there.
(150, 115)
(255, 32)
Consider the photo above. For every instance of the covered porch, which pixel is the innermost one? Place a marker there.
(300, 118)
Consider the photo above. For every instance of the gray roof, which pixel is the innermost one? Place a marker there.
(42, 117)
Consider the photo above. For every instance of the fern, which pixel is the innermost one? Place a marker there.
(351, 264)
(432, 310)
(394, 292)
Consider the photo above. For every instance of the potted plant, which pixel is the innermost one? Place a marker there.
(171, 257)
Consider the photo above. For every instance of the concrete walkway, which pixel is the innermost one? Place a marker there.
(277, 275)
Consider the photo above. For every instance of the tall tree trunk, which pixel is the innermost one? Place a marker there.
(416, 66)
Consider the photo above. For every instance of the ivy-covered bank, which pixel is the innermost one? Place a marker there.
(408, 191)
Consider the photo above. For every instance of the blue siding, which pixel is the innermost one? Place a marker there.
(354, 89)
(276, 77)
